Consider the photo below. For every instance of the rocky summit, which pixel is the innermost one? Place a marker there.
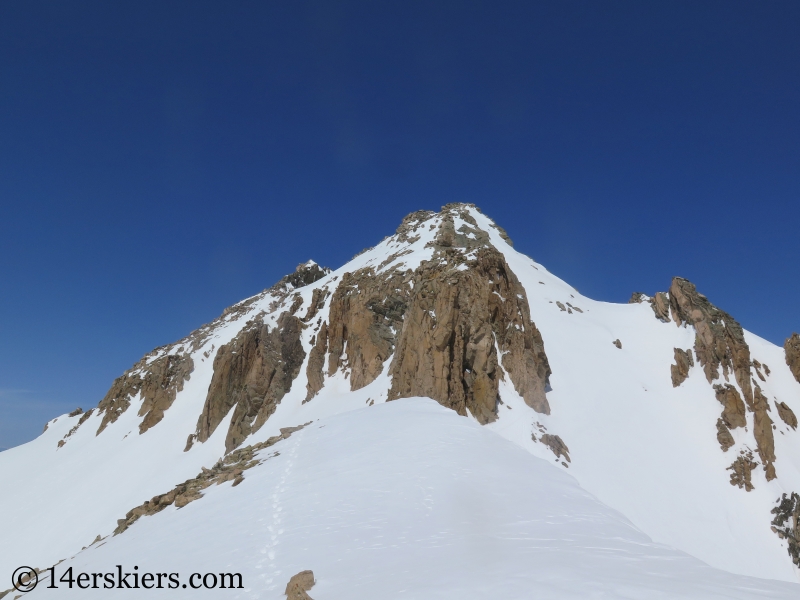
(445, 401)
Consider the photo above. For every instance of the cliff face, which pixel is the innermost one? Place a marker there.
(443, 323)
(158, 381)
(457, 321)
(252, 373)
(792, 349)
(720, 339)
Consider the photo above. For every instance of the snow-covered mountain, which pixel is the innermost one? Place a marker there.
(669, 435)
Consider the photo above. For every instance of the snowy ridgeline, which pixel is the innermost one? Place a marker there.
(406, 500)
(431, 498)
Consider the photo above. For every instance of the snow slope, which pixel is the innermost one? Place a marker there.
(640, 446)
(408, 500)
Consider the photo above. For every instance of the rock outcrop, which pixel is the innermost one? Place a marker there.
(157, 380)
(680, 370)
(365, 317)
(556, 445)
(298, 586)
(786, 414)
(742, 469)
(724, 436)
(252, 373)
(660, 303)
(720, 344)
(762, 430)
(720, 339)
(733, 411)
(786, 524)
(792, 349)
(229, 468)
(460, 314)
(446, 324)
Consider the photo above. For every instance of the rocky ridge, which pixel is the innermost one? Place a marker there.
(229, 468)
(792, 349)
(720, 346)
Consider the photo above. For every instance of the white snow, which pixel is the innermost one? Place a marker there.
(408, 500)
(641, 447)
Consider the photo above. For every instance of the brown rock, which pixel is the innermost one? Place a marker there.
(762, 430)
(786, 414)
(786, 524)
(75, 412)
(160, 385)
(556, 445)
(252, 373)
(636, 298)
(457, 319)
(298, 586)
(660, 303)
(318, 297)
(158, 381)
(366, 313)
(792, 349)
(316, 360)
(617, 343)
(229, 468)
(724, 436)
(742, 468)
(733, 412)
(720, 339)
(680, 370)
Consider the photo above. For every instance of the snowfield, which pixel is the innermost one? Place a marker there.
(407, 500)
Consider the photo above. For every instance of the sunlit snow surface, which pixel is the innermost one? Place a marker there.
(408, 500)
(640, 446)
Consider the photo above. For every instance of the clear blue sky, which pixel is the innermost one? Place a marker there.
(159, 161)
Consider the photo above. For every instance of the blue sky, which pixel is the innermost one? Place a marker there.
(159, 161)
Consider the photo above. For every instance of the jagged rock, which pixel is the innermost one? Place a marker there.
(724, 436)
(556, 445)
(252, 373)
(733, 412)
(75, 412)
(660, 304)
(573, 307)
(366, 313)
(157, 380)
(318, 297)
(316, 360)
(162, 382)
(792, 349)
(298, 586)
(456, 320)
(762, 430)
(742, 469)
(305, 274)
(617, 343)
(680, 370)
(757, 366)
(411, 223)
(719, 340)
(80, 422)
(637, 298)
(229, 468)
(786, 524)
(786, 414)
